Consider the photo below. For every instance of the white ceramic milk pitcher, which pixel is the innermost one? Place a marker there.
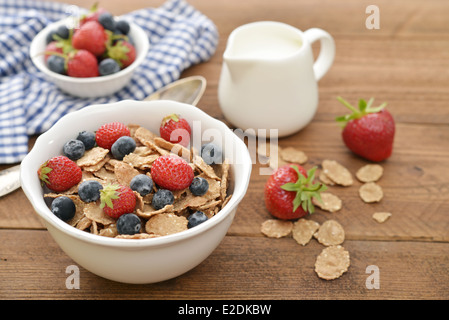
(269, 77)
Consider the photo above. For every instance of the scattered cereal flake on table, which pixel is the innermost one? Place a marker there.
(275, 228)
(371, 192)
(332, 262)
(303, 230)
(166, 223)
(381, 217)
(325, 179)
(370, 173)
(330, 202)
(337, 173)
(330, 233)
(293, 155)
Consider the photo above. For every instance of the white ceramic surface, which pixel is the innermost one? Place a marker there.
(269, 77)
(144, 260)
(94, 86)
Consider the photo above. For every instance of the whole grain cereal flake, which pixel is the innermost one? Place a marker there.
(330, 202)
(303, 230)
(293, 155)
(371, 192)
(275, 228)
(369, 173)
(330, 233)
(381, 217)
(337, 173)
(332, 262)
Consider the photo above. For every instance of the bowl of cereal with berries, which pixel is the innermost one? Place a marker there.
(90, 56)
(137, 191)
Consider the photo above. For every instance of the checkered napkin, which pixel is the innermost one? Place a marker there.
(179, 36)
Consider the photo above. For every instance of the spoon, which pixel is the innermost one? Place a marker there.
(187, 90)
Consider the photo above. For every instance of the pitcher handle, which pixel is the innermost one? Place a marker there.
(327, 51)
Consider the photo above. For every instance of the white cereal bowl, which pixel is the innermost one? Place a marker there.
(95, 86)
(138, 260)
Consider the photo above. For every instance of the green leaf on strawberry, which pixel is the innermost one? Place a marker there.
(306, 189)
(107, 194)
(364, 109)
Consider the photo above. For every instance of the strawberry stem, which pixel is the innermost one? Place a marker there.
(364, 109)
(305, 189)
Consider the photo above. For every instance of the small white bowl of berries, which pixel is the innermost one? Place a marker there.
(90, 56)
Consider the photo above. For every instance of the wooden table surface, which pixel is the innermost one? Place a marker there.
(406, 63)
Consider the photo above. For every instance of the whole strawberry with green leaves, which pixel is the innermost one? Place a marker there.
(175, 129)
(117, 200)
(368, 131)
(59, 173)
(289, 192)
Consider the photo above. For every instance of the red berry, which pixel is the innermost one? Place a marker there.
(108, 133)
(92, 37)
(123, 52)
(93, 14)
(82, 64)
(172, 172)
(289, 192)
(60, 173)
(175, 129)
(117, 200)
(368, 132)
(52, 47)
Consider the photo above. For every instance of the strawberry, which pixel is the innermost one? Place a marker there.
(82, 64)
(52, 47)
(92, 37)
(123, 52)
(368, 132)
(289, 192)
(172, 172)
(108, 133)
(59, 173)
(175, 129)
(117, 200)
(93, 14)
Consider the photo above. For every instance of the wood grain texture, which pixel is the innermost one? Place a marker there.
(406, 63)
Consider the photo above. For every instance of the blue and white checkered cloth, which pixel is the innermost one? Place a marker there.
(180, 36)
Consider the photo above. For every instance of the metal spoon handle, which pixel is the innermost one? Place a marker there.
(9, 180)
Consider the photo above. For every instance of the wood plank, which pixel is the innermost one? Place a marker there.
(33, 267)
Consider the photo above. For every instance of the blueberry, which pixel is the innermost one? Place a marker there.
(196, 218)
(88, 138)
(63, 207)
(199, 186)
(62, 32)
(107, 21)
(128, 223)
(89, 190)
(162, 198)
(142, 183)
(123, 146)
(73, 149)
(211, 153)
(56, 64)
(122, 26)
(108, 66)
